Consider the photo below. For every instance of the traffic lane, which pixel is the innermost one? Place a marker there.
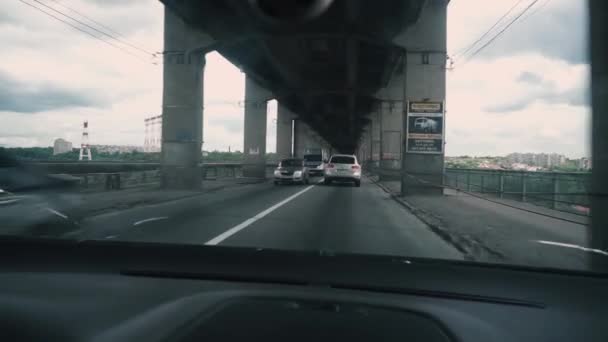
(190, 220)
(520, 237)
(346, 219)
(199, 219)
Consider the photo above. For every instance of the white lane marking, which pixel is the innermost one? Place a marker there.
(8, 201)
(249, 221)
(150, 220)
(110, 236)
(57, 213)
(569, 245)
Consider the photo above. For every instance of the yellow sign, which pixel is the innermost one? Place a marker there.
(425, 107)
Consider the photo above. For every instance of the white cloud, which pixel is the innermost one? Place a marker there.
(537, 117)
(524, 92)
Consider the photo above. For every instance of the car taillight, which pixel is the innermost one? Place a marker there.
(330, 166)
(356, 167)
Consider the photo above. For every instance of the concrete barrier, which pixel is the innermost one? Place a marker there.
(104, 176)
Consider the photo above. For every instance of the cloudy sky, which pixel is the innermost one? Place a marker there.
(528, 91)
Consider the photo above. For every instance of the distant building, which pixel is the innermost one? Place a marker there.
(543, 160)
(558, 159)
(524, 167)
(584, 164)
(61, 146)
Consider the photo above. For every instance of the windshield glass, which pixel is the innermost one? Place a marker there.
(470, 121)
(342, 160)
(291, 162)
(313, 157)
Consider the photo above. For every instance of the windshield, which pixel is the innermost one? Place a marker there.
(313, 157)
(342, 160)
(291, 162)
(470, 124)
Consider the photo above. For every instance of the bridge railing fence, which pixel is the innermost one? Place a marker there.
(115, 175)
(556, 190)
(563, 191)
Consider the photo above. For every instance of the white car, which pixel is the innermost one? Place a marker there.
(343, 167)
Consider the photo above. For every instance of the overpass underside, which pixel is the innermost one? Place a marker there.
(342, 78)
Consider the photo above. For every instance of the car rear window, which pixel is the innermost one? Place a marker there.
(291, 162)
(313, 157)
(342, 160)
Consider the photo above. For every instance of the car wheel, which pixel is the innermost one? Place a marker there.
(276, 182)
(327, 181)
(357, 183)
(307, 180)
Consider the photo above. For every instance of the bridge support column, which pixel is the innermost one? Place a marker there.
(425, 80)
(375, 136)
(256, 104)
(182, 129)
(284, 132)
(304, 139)
(364, 151)
(390, 125)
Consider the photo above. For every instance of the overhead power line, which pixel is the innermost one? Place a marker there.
(467, 49)
(538, 9)
(119, 36)
(513, 21)
(84, 31)
(84, 24)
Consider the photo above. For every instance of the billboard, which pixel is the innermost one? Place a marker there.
(425, 129)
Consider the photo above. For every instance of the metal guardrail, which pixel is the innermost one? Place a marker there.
(556, 190)
(117, 175)
(79, 167)
(563, 191)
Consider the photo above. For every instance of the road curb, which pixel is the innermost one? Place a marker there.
(467, 246)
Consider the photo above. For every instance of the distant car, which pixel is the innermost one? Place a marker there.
(291, 171)
(426, 124)
(343, 167)
(314, 164)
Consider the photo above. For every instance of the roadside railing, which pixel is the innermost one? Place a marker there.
(563, 191)
(117, 175)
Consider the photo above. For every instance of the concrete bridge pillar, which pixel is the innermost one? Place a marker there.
(364, 150)
(304, 139)
(391, 126)
(424, 80)
(375, 136)
(182, 130)
(284, 132)
(256, 104)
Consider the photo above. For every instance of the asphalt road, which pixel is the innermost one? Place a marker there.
(337, 218)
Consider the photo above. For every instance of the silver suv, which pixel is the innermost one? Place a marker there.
(291, 170)
(343, 167)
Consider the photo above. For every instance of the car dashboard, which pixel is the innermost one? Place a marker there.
(94, 291)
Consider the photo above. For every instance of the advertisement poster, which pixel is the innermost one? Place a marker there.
(425, 127)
